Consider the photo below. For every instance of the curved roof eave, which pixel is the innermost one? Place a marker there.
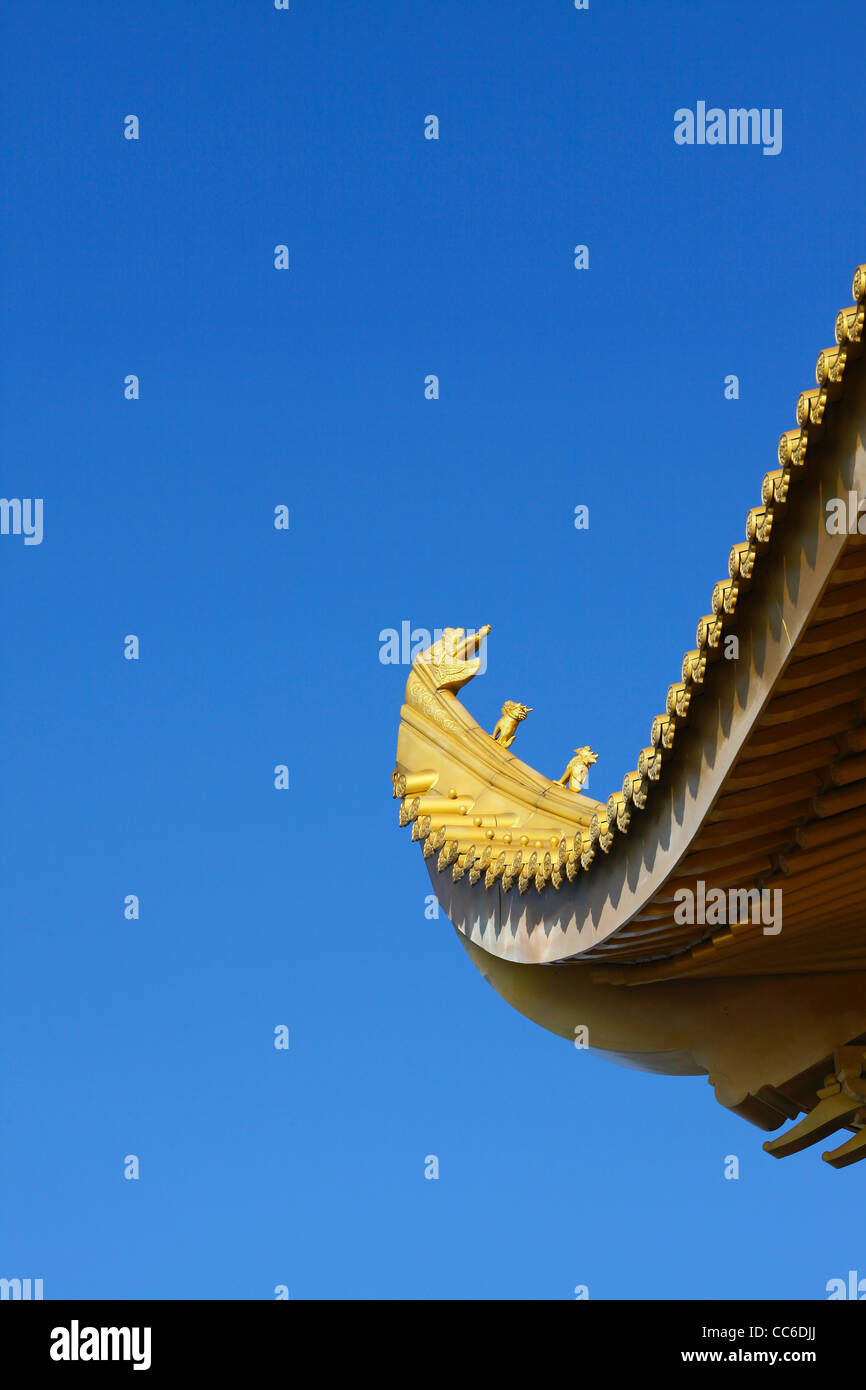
(618, 859)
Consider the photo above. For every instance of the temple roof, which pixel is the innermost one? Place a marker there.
(754, 774)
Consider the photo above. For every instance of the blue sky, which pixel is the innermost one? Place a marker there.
(305, 387)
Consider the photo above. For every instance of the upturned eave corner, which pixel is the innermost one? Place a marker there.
(468, 798)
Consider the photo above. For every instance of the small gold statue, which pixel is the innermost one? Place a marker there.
(506, 726)
(577, 771)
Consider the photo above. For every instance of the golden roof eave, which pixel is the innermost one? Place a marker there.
(592, 887)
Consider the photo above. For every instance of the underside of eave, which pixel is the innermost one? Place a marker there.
(790, 820)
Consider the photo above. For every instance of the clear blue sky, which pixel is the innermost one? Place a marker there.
(306, 387)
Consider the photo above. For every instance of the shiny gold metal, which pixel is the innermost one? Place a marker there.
(576, 773)
(506, 725)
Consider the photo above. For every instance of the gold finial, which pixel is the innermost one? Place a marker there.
(576, 773)
(506, 726)
(450, 661)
